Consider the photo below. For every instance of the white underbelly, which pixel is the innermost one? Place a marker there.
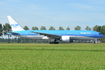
(35, 37)
(82, 38)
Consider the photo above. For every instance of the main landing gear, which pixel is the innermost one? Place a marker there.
(54, 42)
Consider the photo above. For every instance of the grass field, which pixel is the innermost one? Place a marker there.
(73, 56)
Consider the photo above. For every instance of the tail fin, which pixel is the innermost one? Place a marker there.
(15, 26)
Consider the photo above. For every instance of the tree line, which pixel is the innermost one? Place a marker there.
(6, 28)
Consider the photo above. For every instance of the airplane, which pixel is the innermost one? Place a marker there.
(54, 35)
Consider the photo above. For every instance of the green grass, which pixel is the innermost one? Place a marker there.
(73, 56)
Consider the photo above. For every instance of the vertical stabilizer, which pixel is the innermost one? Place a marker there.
(15, 26)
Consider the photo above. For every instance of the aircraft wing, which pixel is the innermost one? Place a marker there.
(46, 34)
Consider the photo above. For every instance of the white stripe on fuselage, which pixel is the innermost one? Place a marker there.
(45, 37)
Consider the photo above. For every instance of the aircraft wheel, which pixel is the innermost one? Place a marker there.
(54, 42)
(94, 42)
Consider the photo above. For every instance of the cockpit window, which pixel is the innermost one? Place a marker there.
(99, 33)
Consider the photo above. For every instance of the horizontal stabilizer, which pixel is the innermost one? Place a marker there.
(14, 33)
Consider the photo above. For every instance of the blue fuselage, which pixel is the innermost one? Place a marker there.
(74, 34)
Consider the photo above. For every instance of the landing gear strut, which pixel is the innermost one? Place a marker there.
(54, 42)
(95, 41)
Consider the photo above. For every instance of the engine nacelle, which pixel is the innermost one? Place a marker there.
(66, 39)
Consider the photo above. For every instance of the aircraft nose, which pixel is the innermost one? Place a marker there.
(102, 35)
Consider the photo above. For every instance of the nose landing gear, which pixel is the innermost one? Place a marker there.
(95, 41)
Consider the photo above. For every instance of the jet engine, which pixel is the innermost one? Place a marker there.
(66, 39)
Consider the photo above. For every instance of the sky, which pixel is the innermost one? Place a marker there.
(56, 13)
